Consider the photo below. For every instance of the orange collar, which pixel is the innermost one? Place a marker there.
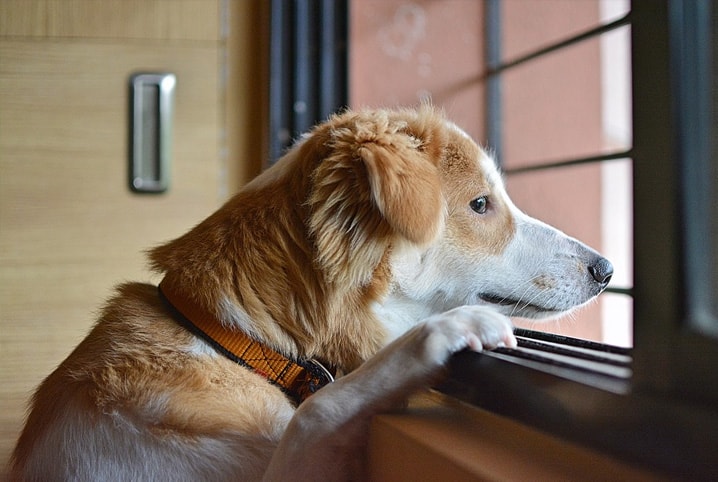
(297, 378)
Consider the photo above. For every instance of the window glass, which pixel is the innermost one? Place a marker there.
(695, 125)
(571, 103)
(404, 52)
(712, 196)
(591, 202)
(714, 175)
(529, 25)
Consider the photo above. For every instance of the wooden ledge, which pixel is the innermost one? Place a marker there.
(440, 438)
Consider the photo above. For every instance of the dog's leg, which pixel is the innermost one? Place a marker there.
(326, 438)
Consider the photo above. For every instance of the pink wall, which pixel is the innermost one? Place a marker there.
(402, 52)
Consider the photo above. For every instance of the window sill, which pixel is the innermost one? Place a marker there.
(603, 411)
(440, 438)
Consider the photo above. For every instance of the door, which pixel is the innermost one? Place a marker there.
(69, 226)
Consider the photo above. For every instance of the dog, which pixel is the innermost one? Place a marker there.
(330, 288)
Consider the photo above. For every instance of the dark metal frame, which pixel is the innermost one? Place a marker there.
(308, 67)
(674, 327)
(495, 66)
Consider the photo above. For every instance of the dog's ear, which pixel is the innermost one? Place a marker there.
(378, 182)
(406, 189)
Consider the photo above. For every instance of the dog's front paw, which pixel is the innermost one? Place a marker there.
(473, 327)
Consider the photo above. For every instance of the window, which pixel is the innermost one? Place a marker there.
(657, 403)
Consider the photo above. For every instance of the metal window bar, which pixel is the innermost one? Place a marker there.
(570, 162)
(588, 34)
(308, 67)
(495, 67)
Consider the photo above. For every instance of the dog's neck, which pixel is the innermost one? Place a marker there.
(297, 378)
(399, 314)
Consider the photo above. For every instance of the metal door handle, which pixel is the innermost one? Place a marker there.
(151, 106)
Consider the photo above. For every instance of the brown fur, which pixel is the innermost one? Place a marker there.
(464, 181)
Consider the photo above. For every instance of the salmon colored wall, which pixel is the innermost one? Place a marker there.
(404, 51)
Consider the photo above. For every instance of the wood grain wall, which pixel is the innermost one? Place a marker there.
(69, 227)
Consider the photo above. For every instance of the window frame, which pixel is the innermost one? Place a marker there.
(666, 419)
(308, 67)
(672, 149)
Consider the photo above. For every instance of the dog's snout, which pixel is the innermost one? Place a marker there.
(601, 271)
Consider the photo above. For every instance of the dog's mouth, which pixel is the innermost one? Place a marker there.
(518, 307)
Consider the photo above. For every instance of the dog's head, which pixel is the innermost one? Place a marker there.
(410, 193)
(371, 222)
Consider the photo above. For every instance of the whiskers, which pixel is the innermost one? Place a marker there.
(524, 296)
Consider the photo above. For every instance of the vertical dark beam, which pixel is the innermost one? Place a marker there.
(492, 45)
(695, 355)
(333, 46)
(306, 64)
(658, 276)
(281, 70)
(691, 68)
(670, 163)
(714, 173)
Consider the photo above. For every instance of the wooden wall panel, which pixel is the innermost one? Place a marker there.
(70, 229)
(194, 20)
(23, 18)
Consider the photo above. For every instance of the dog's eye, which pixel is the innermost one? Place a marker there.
(480, 204)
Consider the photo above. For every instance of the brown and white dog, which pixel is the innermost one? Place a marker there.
(379, 245)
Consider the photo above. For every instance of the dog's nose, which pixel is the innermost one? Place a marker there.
(601, 270)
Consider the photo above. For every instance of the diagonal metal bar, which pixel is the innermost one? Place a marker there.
(569, 162)
(496, 69)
